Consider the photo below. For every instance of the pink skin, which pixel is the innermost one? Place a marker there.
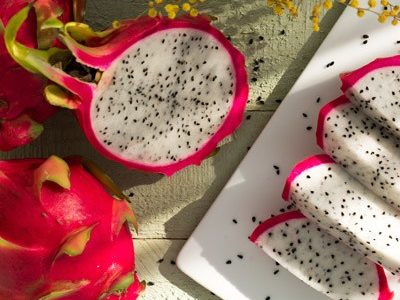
(29, 100)
(17, 132)
(114, 49)
(324, 113)
(302, 166)
(39, 228)
(384, 291)
(132, 293)
(350, 79)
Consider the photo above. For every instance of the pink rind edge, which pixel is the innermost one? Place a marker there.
(271, 222)
(323, 114)
(231, 122)
(384, 291)
(350, 79)
(302, 166)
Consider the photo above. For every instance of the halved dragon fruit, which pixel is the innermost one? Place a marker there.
(329, 196)
(320, 260)
(366, 150)
(375, 88)
(167, 91)
(22, 110)
(63, 234)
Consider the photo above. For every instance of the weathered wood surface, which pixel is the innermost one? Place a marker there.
(170, 208)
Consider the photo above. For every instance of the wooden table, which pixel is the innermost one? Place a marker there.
(169, 209)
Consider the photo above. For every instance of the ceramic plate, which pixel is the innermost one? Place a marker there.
(219, 255)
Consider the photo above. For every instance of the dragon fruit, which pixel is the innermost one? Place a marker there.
(320, 260)
(375, 89)
(63, 233)
(166, 92)
(328, 195)
(366, 150)
(23, 110)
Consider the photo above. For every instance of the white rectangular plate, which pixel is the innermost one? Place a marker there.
(254, 191)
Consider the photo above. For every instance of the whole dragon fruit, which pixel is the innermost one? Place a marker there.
(165, 93)
(338, 203)
(366, 150)
(320, 260)
(22, 110)
(63, 233)
(375, 88)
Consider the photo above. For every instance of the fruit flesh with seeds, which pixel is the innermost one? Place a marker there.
(156, 113)
(325, 193)
(22, 110)
(375, 89)
(368, 151)
(46, 238)
(320, 260)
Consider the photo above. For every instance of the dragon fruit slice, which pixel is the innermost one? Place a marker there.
(366, 150)
(328, 195)
(169, 92)
(375, 89)
(57, 233)
(23, 110)
(320, 260)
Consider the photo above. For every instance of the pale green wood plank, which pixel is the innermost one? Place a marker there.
(169, 282)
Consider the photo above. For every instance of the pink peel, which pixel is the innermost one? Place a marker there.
(270, 223)
(323, 113)
(302, 166)
(351, 78)
(18, 132)
(47, 228)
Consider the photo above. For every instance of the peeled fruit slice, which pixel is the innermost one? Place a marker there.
(320, 260)
(366, 150)
(326, 194)
(375, 88)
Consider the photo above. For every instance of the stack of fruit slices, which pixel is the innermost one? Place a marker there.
(346, 230)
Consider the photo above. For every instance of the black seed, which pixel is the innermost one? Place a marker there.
(283, 32)
(365, 42)
(240, 256)
(173, 262)
(330, 64)
(253, 219)
(160, 260)
(309, 127)
(365, 36)
(248, 117)
(228, 262)
(150, 283)
(318, 99)
(235, 221)
(276, 272)
(251, 41)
